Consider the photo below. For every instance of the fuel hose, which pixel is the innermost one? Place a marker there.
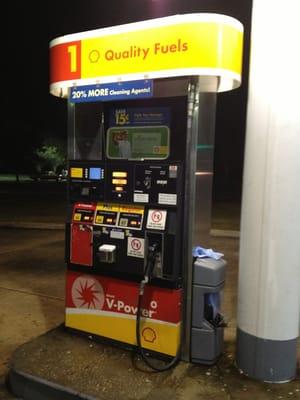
(152, 253)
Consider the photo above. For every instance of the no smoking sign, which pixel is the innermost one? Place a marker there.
(136, 244)
(135, 247)
(156, 216)
(157, 219)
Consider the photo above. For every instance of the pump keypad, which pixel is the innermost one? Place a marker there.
(156, 183)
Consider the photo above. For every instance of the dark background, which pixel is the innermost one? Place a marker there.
(30, 114)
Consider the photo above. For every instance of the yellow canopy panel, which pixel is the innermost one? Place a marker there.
(206, 45)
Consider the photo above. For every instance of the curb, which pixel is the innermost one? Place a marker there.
(57, 226)
(225, 233)
(32, 225)
(30, 387)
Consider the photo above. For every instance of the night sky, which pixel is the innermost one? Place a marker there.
(30, 113)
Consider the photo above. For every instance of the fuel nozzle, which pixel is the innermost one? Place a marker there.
(152, 252)
(151, 257)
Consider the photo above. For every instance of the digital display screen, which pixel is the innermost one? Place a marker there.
(76, 173)
(96, 173)
(119, 174)
(119, 181)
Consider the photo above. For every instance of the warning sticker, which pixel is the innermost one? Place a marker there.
(156, 219)
(141, 197)
(167, 198)
(135, 247)
(117, 234)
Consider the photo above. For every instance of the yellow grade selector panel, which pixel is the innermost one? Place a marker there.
(122, 216)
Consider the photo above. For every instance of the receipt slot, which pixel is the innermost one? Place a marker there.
(107, 253)
(141, 110)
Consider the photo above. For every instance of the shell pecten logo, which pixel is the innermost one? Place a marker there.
(94, 56)
(149, 335)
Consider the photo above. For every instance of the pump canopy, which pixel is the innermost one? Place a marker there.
(205, 45)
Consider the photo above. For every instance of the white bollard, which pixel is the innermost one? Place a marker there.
(269, 275)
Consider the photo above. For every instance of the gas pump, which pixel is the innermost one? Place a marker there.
(135, 131)
(134, 231)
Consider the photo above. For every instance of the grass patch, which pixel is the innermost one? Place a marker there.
(12, 178)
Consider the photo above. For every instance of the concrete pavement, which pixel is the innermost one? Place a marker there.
(31, 288)
(32, 299)
(32, 303)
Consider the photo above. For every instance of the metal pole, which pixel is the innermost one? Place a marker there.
(189, 216)
(198, 189)
(206, 104)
